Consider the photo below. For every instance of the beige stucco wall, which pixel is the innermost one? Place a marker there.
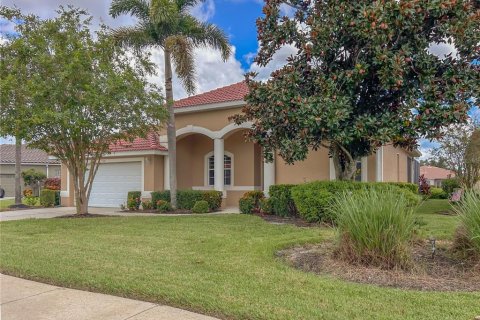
(191, 151)
(372, 168)
(315, 167)
(153, 173)
(394, 164)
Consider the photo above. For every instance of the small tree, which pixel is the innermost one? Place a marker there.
(33, 178)
(459, 147)
(86, 92)
(363, 76)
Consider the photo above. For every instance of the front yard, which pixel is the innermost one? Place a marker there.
(218, 265)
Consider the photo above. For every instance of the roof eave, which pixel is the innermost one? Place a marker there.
(210, 106)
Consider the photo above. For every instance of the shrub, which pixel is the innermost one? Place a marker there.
(424, 188)
(438, 193)
(200, 207)
(214, 199)
(147, 205)
(27, 192)
(374, 227)
(48, 198)
(247, 205)
(266, 205)
(282, 201)
(405, 185)
(449, 185)
(30, 200)
(163, 206)
(313, 199)
(52, 184)
(185, 198)
(469, 231)
(133, 200)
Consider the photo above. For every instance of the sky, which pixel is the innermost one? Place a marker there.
(236, 17)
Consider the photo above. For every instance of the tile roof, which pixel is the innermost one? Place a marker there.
(151, 142)
(29, 155)
(236, 91)
(433, 173)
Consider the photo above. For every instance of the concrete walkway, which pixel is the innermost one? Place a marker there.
(24, 300)
(43, 213)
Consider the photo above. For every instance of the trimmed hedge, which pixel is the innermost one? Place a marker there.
(438, 193)
(186, 198)
(250, 202)
(49, 198)
(134, 200)
(313, 199)
(449, 185)
(413, 187)
(281, 200)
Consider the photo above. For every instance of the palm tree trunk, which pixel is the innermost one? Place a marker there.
(171, 132)
(18, 165)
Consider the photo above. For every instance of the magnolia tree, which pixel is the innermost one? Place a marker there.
(84, 92)
(365, 74)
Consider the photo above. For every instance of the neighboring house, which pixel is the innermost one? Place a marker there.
(31, 159)
(436, 175)
(212, 155)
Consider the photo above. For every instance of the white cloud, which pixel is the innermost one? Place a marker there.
(211, 71)
(279, 59)
(441, 50)
(204, 10)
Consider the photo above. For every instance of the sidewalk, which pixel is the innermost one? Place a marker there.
(24, 300)
(45, 213)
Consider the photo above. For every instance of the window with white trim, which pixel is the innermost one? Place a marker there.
(227, 170)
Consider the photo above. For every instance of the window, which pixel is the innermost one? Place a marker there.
(358, 172)
(227, 170)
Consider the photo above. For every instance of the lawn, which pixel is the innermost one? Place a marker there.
(219, 265)
(4, 203)
(437, 225)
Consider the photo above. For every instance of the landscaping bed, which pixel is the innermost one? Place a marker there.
(443, 272)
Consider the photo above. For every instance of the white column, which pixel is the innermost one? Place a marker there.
(268, 175)
(166, 173)
(332, 170)
(364, 169)
(218, 153)
(379, 164)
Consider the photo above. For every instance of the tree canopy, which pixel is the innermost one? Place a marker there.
(84, 91)
(365, 74)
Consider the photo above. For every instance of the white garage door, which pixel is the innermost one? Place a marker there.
(113, 181)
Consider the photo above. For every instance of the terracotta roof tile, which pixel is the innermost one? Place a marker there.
(433, 173)
(29, 155)
(236, 91)
(151, 142)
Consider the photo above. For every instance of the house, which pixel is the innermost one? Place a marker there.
(212, 154)
(436, 175)
(31, 159)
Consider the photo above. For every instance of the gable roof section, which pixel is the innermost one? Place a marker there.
(233, 92)
(151, 142)
(433, 173)
(29, 155)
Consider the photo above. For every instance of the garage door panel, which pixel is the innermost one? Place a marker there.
(113, 181)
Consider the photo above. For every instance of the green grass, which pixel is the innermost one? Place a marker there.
(5, 203)
(437, 225)
(219, 265)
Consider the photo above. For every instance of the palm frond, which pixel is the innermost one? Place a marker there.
(181, 49)
(203, 34)
(137, 8)
(185, 5)
(164, 12)
(137, 37)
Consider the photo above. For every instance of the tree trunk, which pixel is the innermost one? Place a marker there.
(171, 132)
(345, 165)
(18, 165)
(81, 198)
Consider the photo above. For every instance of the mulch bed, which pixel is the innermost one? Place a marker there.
(15, 207)
(177, 211)
(442, 273)
(86, 215)
(299, 222)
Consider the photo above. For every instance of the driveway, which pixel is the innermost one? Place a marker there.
(24, 300)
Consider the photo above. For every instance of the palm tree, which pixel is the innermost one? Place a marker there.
(168, 25)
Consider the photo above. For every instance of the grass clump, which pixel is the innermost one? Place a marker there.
(374, 228)
(467, 237)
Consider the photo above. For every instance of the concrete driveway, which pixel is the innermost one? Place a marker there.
(28, 300)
